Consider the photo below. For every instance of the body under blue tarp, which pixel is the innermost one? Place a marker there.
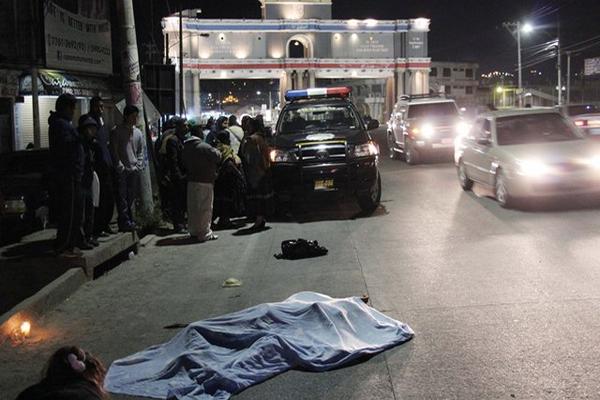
(217, 357)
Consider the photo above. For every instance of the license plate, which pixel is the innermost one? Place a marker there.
(324, 184)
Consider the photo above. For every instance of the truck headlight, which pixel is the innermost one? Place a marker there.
(366, 150)
(277, 156)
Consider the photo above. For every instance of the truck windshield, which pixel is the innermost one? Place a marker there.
(318, 118)
(446, 109)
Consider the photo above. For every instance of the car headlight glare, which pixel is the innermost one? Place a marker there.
(427, 131)
(366, 150)
(532, 168)
(462, 128)
(594, 162)
(277, 156)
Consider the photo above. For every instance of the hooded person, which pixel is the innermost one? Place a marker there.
(103, 166)
(66, 169)
(201, 161)
(221, 124)
(230, 186)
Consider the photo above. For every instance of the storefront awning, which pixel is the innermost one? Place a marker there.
(55, 83)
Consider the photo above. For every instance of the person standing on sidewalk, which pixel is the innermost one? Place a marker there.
(201, 161)
(87, 127)
(127, 147)
(67, 170)
(175, 172)
(103, 166)
(254, 153)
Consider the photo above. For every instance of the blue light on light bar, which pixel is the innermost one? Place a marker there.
(291, 95)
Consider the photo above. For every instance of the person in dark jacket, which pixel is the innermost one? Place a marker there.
(67, 171)
(230, 186)
(175, 173)
(88, 127)
(71, 374)
(103, 165)
(221, 124)
(254, 153)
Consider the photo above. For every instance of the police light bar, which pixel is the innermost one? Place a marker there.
(292, 95)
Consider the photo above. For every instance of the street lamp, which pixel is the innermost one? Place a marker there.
(515, 29)
(258, 93)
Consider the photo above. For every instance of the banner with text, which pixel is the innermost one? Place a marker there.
(76, 43)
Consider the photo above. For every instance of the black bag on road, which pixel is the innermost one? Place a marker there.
(300, 248)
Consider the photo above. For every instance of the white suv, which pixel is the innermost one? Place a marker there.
(423, 124)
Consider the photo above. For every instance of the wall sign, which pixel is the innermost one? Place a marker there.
(76, 43)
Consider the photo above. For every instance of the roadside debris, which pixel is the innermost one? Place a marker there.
(300, 248)
(232, 282)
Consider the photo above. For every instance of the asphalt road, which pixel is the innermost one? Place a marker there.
(504, 303)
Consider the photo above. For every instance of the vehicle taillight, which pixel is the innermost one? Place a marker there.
(581, 123)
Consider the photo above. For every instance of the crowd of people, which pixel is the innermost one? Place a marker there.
(92, 169)
(215, 174)
(210, 176)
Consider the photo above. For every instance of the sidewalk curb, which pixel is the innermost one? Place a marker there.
(43, 301)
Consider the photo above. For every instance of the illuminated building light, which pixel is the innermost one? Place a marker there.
(421, 24)
(370, 22)
(352, 23)
(354, 37)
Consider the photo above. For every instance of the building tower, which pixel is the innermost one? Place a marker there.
(296, 9)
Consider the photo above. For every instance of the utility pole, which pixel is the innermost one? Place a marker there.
(520, 91)
(133, 91)
(181, 94)
(558, 65)
(568, 77)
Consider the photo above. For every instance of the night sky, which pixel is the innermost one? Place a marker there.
(461, 30)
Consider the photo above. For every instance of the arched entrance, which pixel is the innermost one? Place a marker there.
(299, 46)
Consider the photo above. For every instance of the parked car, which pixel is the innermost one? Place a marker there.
(527, 154)
(322, 145)
(423, 125)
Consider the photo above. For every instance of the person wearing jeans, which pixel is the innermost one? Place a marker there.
(127, 148)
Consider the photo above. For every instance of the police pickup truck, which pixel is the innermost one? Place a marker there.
(321, 144)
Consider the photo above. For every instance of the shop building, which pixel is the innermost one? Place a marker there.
(56, 50)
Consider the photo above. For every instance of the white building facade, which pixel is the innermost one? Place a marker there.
(458, 80)
(297, 43)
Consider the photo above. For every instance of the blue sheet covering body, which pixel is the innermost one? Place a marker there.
(217, 357)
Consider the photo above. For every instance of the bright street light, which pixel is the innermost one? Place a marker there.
(527, 28)
(258, 92)
(499, 89)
